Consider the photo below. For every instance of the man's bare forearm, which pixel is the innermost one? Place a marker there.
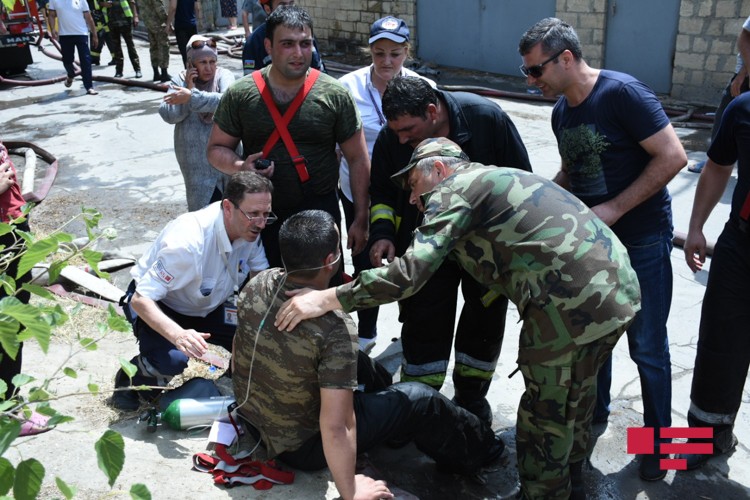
(340, 449)
(224, 159)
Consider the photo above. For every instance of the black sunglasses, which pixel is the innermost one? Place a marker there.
(536, 71)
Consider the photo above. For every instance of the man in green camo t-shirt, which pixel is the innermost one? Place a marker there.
(327, 116)
(526, 238)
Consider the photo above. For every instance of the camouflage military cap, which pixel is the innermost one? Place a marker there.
(436, 146)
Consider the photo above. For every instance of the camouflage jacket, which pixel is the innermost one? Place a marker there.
(288, 369)
(524, 237)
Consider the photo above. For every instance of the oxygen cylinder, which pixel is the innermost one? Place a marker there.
(186, 413)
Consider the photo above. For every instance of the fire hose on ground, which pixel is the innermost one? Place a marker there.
(679, 117)
(161, 87)
(232, 47)
(230, 50)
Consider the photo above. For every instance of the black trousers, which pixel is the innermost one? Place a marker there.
(409, 411)
(164, 356)
(126, 33)
(182, 35)
(104, 39)
(723, 357)
(427, 334)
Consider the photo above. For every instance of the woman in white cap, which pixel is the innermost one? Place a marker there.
(389, 48)
(190, 105)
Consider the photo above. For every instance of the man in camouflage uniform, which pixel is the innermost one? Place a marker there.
(300, 395)
(528, 239)
(155, 16)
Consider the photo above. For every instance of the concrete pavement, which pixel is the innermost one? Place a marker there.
(116, 154)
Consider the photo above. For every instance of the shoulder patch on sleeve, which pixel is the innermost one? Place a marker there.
(161, 272)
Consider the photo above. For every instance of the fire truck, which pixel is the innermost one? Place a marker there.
(22, 27)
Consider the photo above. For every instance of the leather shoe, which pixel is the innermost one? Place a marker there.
(495, 451)
(695, 460)
(124, 400)
(493, 456)
(649, 469)
(479, 407)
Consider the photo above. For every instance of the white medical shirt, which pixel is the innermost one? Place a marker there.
(192, 267)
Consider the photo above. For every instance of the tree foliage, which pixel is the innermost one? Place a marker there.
(37, 322)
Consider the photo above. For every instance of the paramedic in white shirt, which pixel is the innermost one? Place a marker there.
(187, 283)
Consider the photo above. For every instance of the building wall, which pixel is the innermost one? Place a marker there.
(706, 50)
(589, 18)
(704, 56)
(344, 25)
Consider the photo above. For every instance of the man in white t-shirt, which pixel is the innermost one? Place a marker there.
(70, 22)
(185, 286)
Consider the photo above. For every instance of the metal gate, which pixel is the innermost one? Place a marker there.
(641, 37)
(477, 34)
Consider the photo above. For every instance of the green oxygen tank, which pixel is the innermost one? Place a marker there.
(188, 412)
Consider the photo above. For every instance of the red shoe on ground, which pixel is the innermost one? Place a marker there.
(36, 424)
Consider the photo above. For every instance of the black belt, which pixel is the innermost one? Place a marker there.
(741, 224)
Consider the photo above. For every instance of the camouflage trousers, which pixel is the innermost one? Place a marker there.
(208, 8)
(155, 17)
(554, 417)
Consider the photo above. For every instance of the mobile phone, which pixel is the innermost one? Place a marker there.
(262, 163)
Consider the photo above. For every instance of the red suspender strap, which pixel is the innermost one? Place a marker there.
(282, 122)
(745, 212)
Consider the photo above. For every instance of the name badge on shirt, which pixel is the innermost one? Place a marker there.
(230, 313)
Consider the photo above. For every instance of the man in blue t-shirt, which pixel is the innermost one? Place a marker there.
(618, 153)
(254, 54)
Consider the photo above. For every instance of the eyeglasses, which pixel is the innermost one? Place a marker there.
(256, 219)
(537, 71)
(199, 44)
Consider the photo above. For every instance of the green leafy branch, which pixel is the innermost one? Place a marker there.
(21, 322)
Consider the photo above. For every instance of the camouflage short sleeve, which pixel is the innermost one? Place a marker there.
(288, 369)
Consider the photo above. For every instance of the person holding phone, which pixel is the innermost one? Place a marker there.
(189, 105)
